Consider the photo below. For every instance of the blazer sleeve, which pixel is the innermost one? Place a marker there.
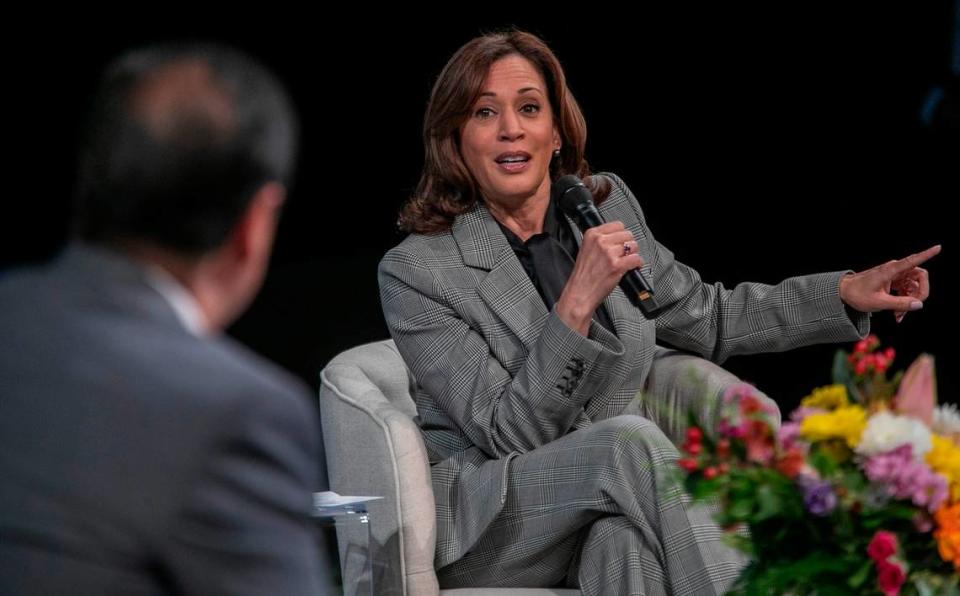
(245, 525)
(499, 412)
(716, 322)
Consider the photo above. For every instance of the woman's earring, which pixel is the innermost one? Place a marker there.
(556, 154)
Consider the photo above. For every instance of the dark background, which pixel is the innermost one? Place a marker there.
(761, 143)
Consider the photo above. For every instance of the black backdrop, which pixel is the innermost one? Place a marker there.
(762, 144)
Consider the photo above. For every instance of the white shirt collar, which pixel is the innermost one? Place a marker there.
(182, 302)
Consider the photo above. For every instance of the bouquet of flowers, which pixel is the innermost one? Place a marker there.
(858, 492)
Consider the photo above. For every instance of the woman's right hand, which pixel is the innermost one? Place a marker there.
(601, 263)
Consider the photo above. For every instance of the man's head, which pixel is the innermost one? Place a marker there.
(185, 155)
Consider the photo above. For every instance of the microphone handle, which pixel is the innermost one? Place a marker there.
(634, 284)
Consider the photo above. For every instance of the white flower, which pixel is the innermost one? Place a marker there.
(946, 420)
(886, 431)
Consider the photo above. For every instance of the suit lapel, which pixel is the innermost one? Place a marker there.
(506, 289)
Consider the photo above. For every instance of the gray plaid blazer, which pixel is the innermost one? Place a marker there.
(498, 374)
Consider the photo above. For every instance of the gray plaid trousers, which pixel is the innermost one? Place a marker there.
(591, 510)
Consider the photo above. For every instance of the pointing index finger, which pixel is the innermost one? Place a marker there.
(907, 263)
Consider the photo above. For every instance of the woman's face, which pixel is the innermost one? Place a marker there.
(510, 136)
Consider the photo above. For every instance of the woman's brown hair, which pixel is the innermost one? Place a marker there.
(447, 188)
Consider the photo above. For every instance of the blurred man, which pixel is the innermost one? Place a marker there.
(140, 450)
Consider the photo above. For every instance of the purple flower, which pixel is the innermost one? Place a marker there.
(818, 495)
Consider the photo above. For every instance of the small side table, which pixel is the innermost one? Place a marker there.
(352, 523)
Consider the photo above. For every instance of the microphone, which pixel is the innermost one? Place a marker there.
(576, 201)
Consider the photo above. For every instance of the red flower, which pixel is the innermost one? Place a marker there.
(860, 367)
(693, 448)
(759, 442)
(890, 576)
(694, 434)
(749, 405)
(723, 448)
(688, 464)
(882, 545)
(710, 473)
(791, 463)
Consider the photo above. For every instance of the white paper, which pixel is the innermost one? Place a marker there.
(331, 499)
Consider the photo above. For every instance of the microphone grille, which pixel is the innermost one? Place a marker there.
(570, 192)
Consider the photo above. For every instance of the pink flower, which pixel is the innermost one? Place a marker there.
(917, 393)
(729, 430)
(905, 478)
(890, 576)
(737, 392)
(882, 545)
(800, 413)
(788, 433)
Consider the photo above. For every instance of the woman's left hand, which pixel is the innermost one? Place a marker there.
(900, 286)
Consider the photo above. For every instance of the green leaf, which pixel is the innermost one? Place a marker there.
(860, 577)
(819, 572)
(841, 374)
(768, 501)
(739, 542)
(741, 509)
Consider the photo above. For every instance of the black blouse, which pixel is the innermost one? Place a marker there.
(548, 259)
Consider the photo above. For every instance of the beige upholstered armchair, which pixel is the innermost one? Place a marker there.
(373, 447)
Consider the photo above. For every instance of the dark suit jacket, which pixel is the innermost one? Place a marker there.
(499, 374)
(137, 458)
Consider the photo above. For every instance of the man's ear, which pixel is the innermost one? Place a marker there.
(254, 232)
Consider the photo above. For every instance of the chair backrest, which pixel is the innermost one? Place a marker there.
(374, 447)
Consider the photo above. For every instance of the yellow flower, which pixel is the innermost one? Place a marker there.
(830, 397)
(845, 423)
(944, 458)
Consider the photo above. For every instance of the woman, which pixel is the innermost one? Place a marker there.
(518, 336)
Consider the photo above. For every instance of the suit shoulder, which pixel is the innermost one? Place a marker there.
(421, 250)
(252, 374)
(213, 379)
(621, 202)
(618, 188)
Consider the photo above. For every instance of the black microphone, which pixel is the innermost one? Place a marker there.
(576, 201)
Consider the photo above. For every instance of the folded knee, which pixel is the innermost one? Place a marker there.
(628, 433)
